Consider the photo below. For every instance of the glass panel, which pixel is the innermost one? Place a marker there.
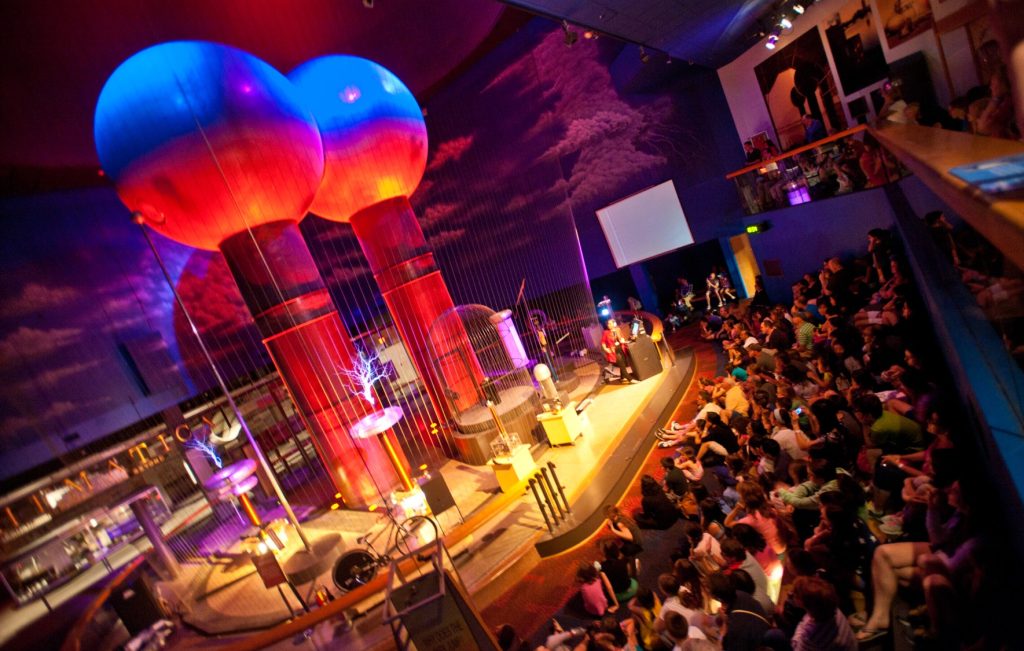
(821, 170)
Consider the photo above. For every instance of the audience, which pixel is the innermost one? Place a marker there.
(820, 475)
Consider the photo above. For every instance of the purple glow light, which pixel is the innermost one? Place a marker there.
(208, 449)
(367, 372)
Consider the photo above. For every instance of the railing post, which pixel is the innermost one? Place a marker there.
(541, 505)
(558, 485)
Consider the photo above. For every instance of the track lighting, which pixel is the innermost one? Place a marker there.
(799, 9)
(785, 23)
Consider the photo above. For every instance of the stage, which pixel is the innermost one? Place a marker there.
(499, 536)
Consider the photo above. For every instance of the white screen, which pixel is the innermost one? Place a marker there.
(645, 224)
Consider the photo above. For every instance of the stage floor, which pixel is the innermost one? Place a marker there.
(496, 553)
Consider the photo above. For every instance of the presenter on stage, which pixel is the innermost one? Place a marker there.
(614, 347)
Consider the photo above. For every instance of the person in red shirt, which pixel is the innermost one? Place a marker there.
(614, 347)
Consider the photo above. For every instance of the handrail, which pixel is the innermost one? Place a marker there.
(73, 641)
(930, 152)
(794, 152)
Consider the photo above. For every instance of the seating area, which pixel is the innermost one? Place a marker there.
(820, 491)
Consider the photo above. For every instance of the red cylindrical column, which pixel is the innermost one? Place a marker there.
(416, 294)
(310, 348)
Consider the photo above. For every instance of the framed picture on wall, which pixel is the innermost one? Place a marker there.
(797, 81)
(902, 20)
(853, 38)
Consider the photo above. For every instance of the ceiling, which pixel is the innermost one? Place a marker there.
(58, 53)
(706, 32)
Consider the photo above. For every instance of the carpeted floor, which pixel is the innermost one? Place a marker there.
(548, 590)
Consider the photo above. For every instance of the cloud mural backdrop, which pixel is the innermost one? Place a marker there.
(525, 146)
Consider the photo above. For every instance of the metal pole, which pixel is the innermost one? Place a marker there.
(540, 504)
(558, 485)
(549, 490)
(260, 457)
(156, 538)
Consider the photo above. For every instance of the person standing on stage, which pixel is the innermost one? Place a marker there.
(685, 294)
(714, 289)
(726, 288)
(614, 347)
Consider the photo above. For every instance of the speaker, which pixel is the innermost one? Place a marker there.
(644, 358)
(135, 604)
(439, 497)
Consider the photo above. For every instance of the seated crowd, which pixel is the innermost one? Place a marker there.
(822, 473)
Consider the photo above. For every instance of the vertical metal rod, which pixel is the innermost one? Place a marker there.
(558, 485)
(280, 591)
(540, 504)
(545, 488)
(551, 491)
(260, 457)
(295, 591)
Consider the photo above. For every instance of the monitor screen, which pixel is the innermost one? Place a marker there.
(645, 224)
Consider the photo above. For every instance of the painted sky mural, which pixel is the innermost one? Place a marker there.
(525, 146)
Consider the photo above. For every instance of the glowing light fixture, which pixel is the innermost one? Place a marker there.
(785, 23)
(799, 9)
(367, 372)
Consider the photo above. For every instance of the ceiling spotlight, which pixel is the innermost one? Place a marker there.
(770, 43)
(589, 34)
(799, 9)
(785, 23)
(644, 57)
(368, 4)
(570, 35)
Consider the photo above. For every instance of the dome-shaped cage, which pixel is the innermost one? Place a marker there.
(495, 362)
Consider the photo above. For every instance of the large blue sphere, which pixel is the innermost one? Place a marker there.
(206, 140)
(375, 140)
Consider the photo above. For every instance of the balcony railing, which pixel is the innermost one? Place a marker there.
(846, 162)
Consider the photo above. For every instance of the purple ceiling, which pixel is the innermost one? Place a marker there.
(58, 53)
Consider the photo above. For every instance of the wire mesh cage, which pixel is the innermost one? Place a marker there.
(473, 342)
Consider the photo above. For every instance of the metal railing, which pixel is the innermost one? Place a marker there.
(849, 161)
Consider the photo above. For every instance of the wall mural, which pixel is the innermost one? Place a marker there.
(795, 81)
(524, 147)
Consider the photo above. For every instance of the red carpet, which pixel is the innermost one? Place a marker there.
(532, 602)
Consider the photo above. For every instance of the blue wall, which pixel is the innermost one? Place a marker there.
(803, 236)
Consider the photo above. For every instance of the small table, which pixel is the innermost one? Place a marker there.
(562, 427)
(512, 469)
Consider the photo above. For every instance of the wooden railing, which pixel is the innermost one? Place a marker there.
(930, 152)
(799, 150)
